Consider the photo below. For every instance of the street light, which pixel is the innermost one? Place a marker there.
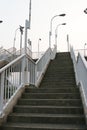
(50, 32)
(1, 21)
(21, 33)
(38, 46)
(14, 39)
(56, 32)
(84, 48)
(85, 11)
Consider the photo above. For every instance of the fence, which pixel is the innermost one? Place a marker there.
(80, 67)
(21, 71)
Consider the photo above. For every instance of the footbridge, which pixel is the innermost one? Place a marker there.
(67, 73)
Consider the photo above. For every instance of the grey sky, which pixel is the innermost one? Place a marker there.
(14, 12)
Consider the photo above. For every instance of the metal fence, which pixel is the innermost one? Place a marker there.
(80, 67)
(21, 71)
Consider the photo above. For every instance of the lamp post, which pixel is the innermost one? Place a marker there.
(38, 46)
(50, 32)
(56, 32)
(21, 33)
(85, 11)
(14, 39)
(84, 48)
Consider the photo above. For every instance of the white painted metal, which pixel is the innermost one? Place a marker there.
(80, 67)
(21, 71)
(42, 64)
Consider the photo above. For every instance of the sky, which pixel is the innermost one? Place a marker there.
(15, 12)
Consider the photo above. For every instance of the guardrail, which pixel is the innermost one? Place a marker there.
(80, 67)
(23, 70)
(10, 81)
(42, 64)
(6, 55)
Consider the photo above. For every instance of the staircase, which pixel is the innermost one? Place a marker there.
(55, 105)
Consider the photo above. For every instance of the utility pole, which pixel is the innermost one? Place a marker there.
(68, 42)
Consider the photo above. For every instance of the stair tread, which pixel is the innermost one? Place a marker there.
(68, 107)
(47, 115)
(35, 88)
(50, 93)
(46, 99)
(46, 126)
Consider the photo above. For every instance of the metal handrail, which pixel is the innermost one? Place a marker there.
(19, 72)
(80, 67)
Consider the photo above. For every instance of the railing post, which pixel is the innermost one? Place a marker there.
(32, 73)
(1, 93)
(24, 71)
(53, 53)
(35, 74)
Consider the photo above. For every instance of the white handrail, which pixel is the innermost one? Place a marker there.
(80, 67)
(74, 59)
(10, 81)
(41, 64)
(13, 76)
(21, 71)
(6, 55)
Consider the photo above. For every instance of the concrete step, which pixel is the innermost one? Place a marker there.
(61, 63)
(56, 71)
(51, 95)
(48, 109)
(52, 90)
(56, 85)
(63, 75)
(59, 80)
(46, 118)
(50, 102)
(40, 126)
(66, 76)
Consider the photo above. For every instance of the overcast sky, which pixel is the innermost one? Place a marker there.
(14, 12)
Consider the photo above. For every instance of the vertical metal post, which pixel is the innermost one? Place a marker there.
(25, 42)
(24, 71)
(1, 93)
(22, 76)
(20, 44)
(38, 47)
(68, 42)
(56, 38)
(84, 49)
(35, 74)
(29, 14)
(50, 39)
(24, 64)
(21, 33)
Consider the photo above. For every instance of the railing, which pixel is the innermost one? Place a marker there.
(81, 51)
(10, 80)
(19, 52)
(6, 55)
(23, 70)
(80, 67)
(74, 59)
(42, 64)
(35, 55)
